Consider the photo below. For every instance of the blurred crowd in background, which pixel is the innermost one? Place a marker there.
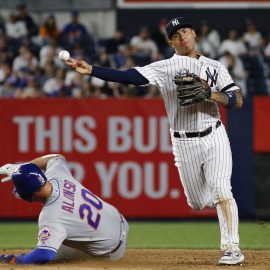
(30, 67)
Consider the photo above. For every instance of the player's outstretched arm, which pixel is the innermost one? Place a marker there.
(80, 66)
(37, 256)
(42, 161)
(230, 99)
(129, 76)
(7, 170)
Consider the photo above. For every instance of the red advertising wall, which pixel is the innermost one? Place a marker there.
(120, 149)
(190, 3)
(261, 124)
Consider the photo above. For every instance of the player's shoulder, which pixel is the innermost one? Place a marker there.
(55, 158)
(211, 62)
(161, 62)
(168, 61)
(157, 66)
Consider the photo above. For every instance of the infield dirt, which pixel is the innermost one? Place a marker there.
(157, 259)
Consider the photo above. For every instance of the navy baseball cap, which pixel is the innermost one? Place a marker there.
(177, 23)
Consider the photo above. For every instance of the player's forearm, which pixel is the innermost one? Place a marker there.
(37, 256)
(224, 99)
(41, 162)
(130, 76)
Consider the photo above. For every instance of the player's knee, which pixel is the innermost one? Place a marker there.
(222, 199)
(222, 195)
(196, 205)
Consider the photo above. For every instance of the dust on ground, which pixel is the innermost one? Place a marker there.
(157, 259)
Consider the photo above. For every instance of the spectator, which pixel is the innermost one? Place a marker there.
(127, 90)
(104, 60)
(31, 88)
(25, 59)
(144, 49)
(47, 72)
(6, 87)
(48, 30)
(160, 38)
(25, 17)
(74, 36)
(4, 68)
(5, 50)
(78, 85)
(112, 44)
(15, 31)
(55, 86)
(50, 52)
(208, 40)
(2, 23)
(253, 38)
(98, 87)
(119, 59)
(237, 71)
(114, 47)
(267, 50)
(233, 44)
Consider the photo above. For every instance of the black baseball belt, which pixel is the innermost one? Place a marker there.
(196, 134)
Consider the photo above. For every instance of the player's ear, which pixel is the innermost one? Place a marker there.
(171, 44)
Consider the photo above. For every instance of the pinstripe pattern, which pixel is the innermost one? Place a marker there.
(204, 164)
(205, 167)
(194, 117)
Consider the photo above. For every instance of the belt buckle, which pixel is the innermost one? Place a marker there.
(179, 135)
(182, 135)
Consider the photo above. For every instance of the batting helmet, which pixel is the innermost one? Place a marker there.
(27, 179)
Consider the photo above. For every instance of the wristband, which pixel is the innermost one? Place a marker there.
(232, 99)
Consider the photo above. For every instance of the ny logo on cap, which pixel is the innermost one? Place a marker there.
(175, 22)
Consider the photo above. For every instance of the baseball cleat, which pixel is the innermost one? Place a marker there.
(231, 258)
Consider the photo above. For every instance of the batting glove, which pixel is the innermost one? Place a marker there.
(8, 259)
(8, 169)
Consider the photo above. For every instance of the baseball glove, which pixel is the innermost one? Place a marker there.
(191, 89)
(8, 170)
(9, 259)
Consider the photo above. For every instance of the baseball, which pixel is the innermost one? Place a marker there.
(64, 55)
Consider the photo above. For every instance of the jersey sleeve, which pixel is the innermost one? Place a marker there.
(37, 255)
(154, 73)
(57, 167)
(225, 81)
(51, 236)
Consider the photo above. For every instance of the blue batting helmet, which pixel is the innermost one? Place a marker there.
(27, 179)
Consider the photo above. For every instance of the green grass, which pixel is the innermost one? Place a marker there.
(194, 235)
(18, 235)
(180, 234)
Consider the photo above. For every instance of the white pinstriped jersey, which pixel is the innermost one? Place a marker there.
(204, 163)
(75, 216)
(193, 117)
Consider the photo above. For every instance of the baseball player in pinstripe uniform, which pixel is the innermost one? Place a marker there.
(74, 223)
(200, 143)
